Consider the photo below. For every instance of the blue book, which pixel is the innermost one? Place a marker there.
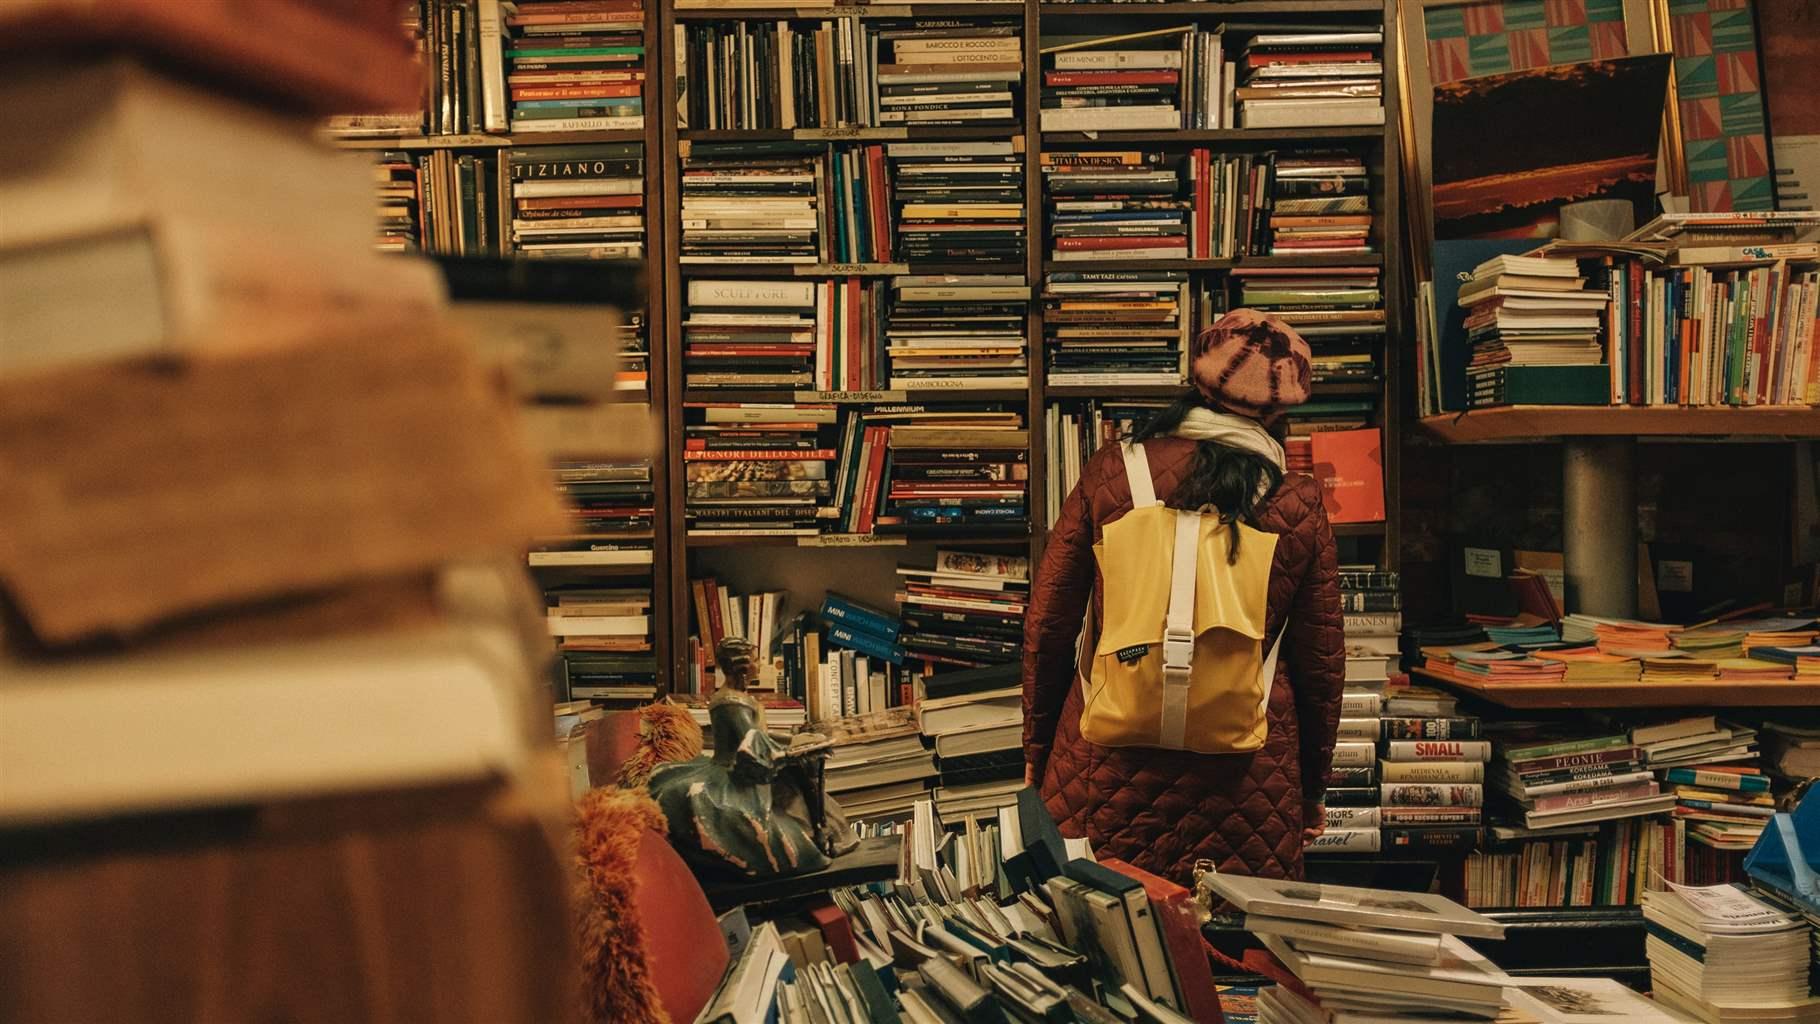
(865, 643)
(853, 615)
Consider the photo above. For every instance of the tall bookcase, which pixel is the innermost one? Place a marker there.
(862, 565)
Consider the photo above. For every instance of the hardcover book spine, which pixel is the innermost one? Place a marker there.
(1438, 750)
(1430, 728)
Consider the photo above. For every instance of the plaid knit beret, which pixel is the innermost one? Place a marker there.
(1250, 363)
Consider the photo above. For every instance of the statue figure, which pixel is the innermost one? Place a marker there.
(756, 805)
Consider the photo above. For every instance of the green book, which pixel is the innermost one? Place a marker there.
(1565, 747)
(1540, 385)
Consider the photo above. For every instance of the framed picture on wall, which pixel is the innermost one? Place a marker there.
(1441, 42)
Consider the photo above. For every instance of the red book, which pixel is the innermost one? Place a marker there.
(581, 202)
(759, 455)
(1111, 77)
(586, 16)
(1350, 466)
(878, 441)
(1634, 335)
(717, 629)
(1264, 60)
(1110, 244)
(881, 203)
(1178, 918)
(567, 92)
(837, 932)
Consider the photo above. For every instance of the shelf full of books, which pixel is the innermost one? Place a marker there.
(1691, 311)
(913, 264)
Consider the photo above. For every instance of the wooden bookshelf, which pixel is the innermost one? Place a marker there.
(1518, 424)
(1712, 693)
(676, 554)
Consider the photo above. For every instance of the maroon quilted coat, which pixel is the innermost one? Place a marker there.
(1161, 809)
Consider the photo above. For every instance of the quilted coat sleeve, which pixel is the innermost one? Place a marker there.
(1316, 649)
(1058, 600)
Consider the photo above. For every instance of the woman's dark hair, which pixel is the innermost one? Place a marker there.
(1227, 479)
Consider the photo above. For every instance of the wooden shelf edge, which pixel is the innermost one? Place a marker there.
(483, 141)
(1179, 8)
(1524, 423)
(1210, 135)
(1717, 693)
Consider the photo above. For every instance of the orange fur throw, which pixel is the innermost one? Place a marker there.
(666, 733)
(617, 987)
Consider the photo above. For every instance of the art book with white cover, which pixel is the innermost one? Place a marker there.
(1399, 947)
(1584, 1001)
(1350, 905)
(1463, 975)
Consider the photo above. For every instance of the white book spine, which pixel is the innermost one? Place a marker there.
(1347, 840)
(492, 70)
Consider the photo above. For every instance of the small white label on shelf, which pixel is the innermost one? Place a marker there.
(852, 540)
(1675, 577)
(1484, 562)
(854, 269)
(849, 396)
(850, 132)
(856, 10)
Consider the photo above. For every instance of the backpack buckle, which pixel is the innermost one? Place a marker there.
(1178, 648)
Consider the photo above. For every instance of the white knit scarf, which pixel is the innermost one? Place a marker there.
(1249, 435)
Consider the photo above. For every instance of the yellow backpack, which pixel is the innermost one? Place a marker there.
(1180, 663)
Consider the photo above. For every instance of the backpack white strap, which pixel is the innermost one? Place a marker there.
(1267, 673)
(1178, 630)
(1137, 474)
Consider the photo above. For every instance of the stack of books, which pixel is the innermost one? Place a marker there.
(1078, 429)
(945, 72)
(980, 766)
(1792, 749)
(752, 202)
(1570, 781)
(1354, 817)
(879, 767)
(1320, 205)
(972, 714)
(400, 195)
(1116, 328)
(1528, 316)
(1719, 955)
(574, 65)
(995, 501)
(753, 469)
(1693, 740)
(958, 332)
(578, 202)
(1317, 79)
(1112, 204)
(608, 500)
(1164, 79)
(1431, 778)
(1339, 310)
(959, 202)
(750, 334)
(967, 611)
(1726, 807)
(1390, 955)
(604, 640)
